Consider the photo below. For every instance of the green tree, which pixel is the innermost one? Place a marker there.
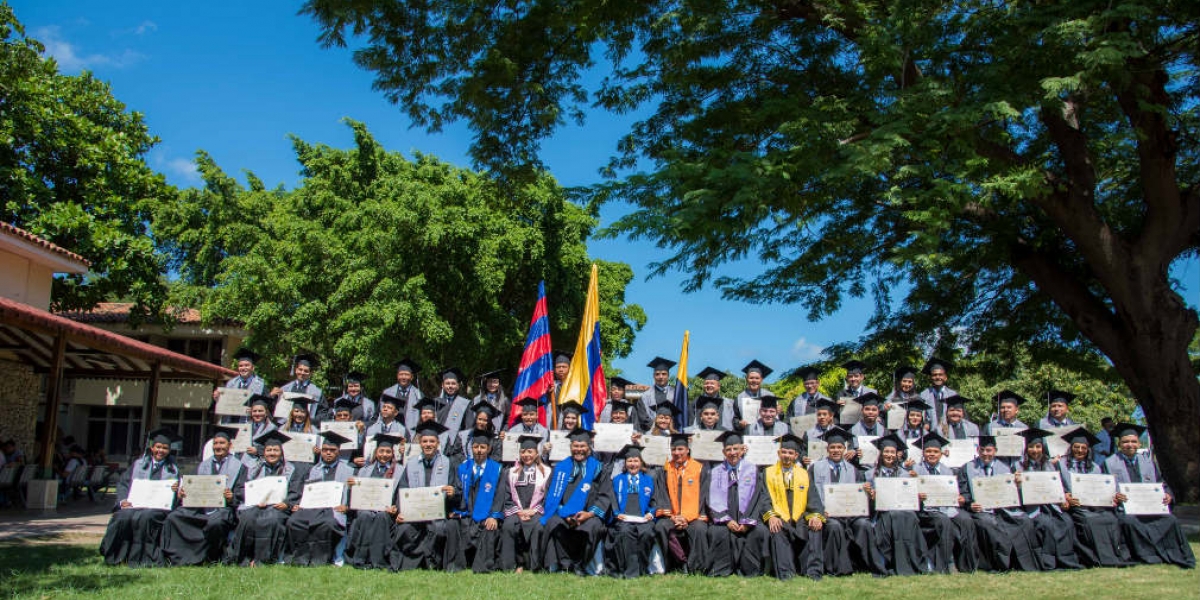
(375, 257)
(73, 171)
(987, 172)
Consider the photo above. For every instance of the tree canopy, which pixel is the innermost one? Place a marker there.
(374, 257)
(73, 171)
(993, 174)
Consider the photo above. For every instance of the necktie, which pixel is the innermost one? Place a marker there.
(576, 472)
(478, 472)
(217, 466)
(787, 483)
(987, 470)
(732, 498)
(660, 394)
(837, 473)
(1135, 472)
(958, 430)
(933, 470)
(244, 383)
(679, 492)
(156, 470)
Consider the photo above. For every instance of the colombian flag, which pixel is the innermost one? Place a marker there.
(585, 382)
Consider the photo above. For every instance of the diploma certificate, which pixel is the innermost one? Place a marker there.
(611, 437)
(323, 494)
(817, 449)
(851, 412)
(1093, 490)
(422, 504)
(846, 500)
(656, 450)
(242, 440)
(369, 493)
(1041, 487)
(203, 491)
(761, 450)
(1144, 499)
(1055, 445)
(750, 408)
(706, 447)
(897, 493)
(1008, 443)
(803, 423)
(560, 446)
(959, 452)
(266, 490)
(300, 447)
(232, 402)
(999, 491)
(152, 493)
(346, 429)
(896, 416)
(939, 490)
(283, 407)
(510, 449)
(868, 453)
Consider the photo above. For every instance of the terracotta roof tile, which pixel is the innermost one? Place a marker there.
(17, 232)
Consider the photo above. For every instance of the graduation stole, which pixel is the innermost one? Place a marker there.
(718, 496)
(230, 469)
(565, 505)
(414, 470)
(479, 506)
(689, 505)
(778, 490)
(621, 489)
(539, 489)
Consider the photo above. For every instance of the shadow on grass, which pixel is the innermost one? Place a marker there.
(39, 567)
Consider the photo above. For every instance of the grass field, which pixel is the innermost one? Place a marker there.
(70, 568)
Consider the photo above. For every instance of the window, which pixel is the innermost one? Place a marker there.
(116, 429)
(208, 350)
(191, 424)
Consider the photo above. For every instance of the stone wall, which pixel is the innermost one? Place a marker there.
(20, 392)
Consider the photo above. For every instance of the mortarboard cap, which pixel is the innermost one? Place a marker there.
(906, 372)
(355, 377)
(429, 428)
(955, 401)
(528, 404)
(570, 406)
(986, 440)
(630, 451)
(451, 373)
(661, 364)
(426, 403)
(890, 440)
(854, 366)
(492, 374)
(580, 434)
(164, 435)
(227, 433)
(869, 399)
(933, 439)
(260, 399)
(1080, 435)
(936, 363)
(710, 373)
(246, 354)
(680, 439)
(704, 402)
(619, 382)
(306, 359)
(1009, 396)
(1059, 396)
(837, 435)
(390, 399)
(809, 374)
(273, 437)
(407, 365)
(346, 405)
(730, 438)
(791, 442)
(386, 440)
(917, 405)
(1123, 429)
(482, 437)
(529, 441)
(562, 357)
(666, 408)
(483, 406)
(824, 403)
(1033, 434)
(621, 405)
(768, 401)
(333, 437)
(756, 367)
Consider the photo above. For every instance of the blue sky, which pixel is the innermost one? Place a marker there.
(236, 78)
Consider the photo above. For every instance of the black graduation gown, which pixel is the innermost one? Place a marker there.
(476, 546)
(1007, 537)
(682, 548)
(570, 548)
(423, 545)
(314, 533)
(133, 534)
(1151, 539)
(193, 536)
(369, 540)
(898, 537)
(1055, 530)
(847, 543)
(1097, 531)
(949, 532)
(519, 537)
(741, 552)
(261, 533)
(629, 543)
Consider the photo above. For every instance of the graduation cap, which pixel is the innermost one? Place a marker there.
(1033, 434)
(425, 404)
(756, 367)
(307, 359)
(1059, 396)
(388, 399)
(302, 403)
(484, 437)
(246, 354)
(869, 399)
(1080, 435)
(580, 434)
(408, 365)
(890, 440)
(704, 402)
(768, 401)
(680, 439)
(666, 408)
(810, 374)
(485, 407)
(955, 401)
(347, 405)
(225, 433)
(623, 406)
(661, 364)
(790, 441)
(825, 403)
(260, 400)
(854, 367)
(528, 404)
(386, 440)
(986, 440)
(936, 363)
(933, 439)
(730, 438)
(164, 435)
(492, 374)
(1009, 396)
(451, 373)
(571, 406)
(429, 428)
(354, 377)
(273, 437)
(711, 374)
(333, 438)
(619, 382)
(529, 441)
(917, 405)
(906, 372)
(1123, 429)
(630, 451)
(837, 435)
(562, 357)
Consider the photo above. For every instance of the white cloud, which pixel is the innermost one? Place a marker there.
(804, 351)
(183, 170)
(145, 27)
(71, 59)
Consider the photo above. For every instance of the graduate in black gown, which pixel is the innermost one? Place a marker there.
(133, 534)
(261, 531)
(1097, 532)
(575, 505)
(949, 530)
(1007, 537)
(631, 525)
(1056, 531)
(737, 538)
(682, 503)
(483, 416)
(848, 543)
(425, 544)
(193, 536)
(794, 547)
(897, 532)
(369, 541)
(1151, 539)
(524, 491)
(475, 520)
(314, 534)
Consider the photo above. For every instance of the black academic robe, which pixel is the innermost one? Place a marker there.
(898, 533)
(1151, 539)
(314, 533)
(1007, 537)
(949, 531)
(193, 536)
(1055, 529)
(477, 500)
(423, 545)
(848, 543)
(741, 552)
(683, 548)
(521, 543)
(570, 546)
(133, 534)
(261, 532)
(369, 540)
(629, 542)
(1097, 531)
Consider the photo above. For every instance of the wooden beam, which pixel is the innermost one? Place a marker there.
(150, 408)
(53, 401)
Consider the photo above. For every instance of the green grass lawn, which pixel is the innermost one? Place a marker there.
(72, 568)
